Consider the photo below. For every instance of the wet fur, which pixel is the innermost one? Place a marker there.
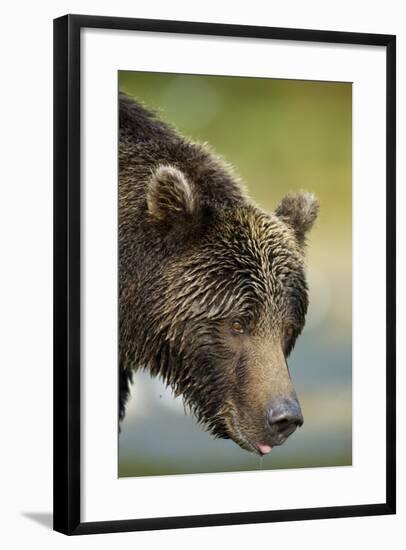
(194, 251)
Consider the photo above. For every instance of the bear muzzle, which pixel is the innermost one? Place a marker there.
(282, 418)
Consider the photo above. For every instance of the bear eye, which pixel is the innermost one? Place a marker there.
(237, 326)
(288, 338)
(289, 331)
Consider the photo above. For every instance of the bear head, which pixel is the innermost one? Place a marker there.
(228, 307)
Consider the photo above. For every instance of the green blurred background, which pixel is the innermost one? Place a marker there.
(280, 136)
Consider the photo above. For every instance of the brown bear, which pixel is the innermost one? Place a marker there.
(212, 289)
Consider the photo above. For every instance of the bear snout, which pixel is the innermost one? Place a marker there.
(282, 418)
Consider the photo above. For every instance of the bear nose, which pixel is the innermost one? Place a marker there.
(284, 416)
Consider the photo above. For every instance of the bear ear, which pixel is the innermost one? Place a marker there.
(299, 210)
(170, 196)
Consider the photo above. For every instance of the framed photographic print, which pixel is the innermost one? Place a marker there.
(224, 274)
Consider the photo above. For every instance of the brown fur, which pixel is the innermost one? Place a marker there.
(195, 255)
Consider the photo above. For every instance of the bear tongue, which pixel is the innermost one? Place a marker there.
(264, 448)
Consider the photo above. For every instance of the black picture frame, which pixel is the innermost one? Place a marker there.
(67, 254)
